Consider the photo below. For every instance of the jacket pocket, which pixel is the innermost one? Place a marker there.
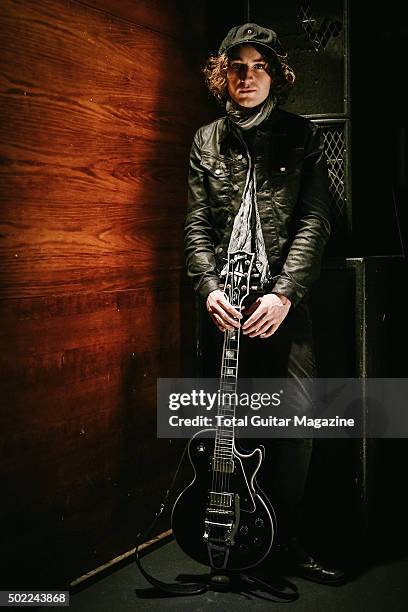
(216, 166)
(286, 162)
(218, 183)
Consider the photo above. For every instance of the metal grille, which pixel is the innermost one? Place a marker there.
(319, 31)
(335, 147)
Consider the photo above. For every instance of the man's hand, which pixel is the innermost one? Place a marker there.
(221, 311)
(267, 313)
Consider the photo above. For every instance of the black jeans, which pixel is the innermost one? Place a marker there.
(288, 353)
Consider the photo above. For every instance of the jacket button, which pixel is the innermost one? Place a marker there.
(282, 169)
(218, 171)
(219, 249)
(239, 156)
(235, 187)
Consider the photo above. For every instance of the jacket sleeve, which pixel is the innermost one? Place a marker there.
(198, 237)
(312, 226)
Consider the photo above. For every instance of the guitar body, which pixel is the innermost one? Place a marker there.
(222, 518)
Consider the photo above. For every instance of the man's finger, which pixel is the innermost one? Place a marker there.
(271, 331)
(253, 321)
(218, 322)
(225, 316)
(227, 307)
(225, 323)
(260, 329)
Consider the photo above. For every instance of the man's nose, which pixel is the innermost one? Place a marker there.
(246, 73)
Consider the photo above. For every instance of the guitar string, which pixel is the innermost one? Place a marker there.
(232, 347)
(231, 342)
(220, 461)
(223, 455)
(228, 431)
(236, 335)
(214, 463)
(218, 454)
(227, 450)
(221, 410)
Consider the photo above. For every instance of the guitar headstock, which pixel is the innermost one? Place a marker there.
(237, 276)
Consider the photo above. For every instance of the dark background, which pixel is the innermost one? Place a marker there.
(100, 101)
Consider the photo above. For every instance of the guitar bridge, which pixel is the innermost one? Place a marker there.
(221, 523)
(221, 512)
(220, 527)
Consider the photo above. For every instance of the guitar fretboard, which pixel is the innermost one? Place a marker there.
(228, 386)
(236, 289)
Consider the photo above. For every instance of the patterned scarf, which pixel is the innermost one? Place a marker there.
(241, 236)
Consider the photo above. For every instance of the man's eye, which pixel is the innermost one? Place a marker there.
(236, 66)
(260, 66)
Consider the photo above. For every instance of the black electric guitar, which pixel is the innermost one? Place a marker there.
(222, 518)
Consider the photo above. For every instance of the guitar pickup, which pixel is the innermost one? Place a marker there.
(223, 500)
(222, 465)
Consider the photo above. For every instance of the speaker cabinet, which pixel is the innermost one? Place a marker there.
(316, 36)
(359, 332)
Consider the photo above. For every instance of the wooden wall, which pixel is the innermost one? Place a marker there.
(99, 103)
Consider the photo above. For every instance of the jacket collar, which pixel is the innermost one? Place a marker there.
(272, 125)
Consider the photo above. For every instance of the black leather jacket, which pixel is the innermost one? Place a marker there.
(292, 197)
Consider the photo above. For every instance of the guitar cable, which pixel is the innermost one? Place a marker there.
(170, 588)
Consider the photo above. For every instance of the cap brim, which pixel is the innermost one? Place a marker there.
(254, 43)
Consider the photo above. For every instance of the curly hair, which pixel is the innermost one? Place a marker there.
(216, 67)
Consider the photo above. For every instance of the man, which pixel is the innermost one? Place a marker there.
(258, 181)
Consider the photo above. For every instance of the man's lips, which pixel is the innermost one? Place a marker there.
(246, 90)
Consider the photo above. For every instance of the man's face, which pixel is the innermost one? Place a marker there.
(247, 78)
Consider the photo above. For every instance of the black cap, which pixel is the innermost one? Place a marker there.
(251, 33)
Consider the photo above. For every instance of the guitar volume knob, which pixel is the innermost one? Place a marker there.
(259, 522)
(243, 529)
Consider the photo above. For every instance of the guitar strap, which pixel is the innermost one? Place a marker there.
(285, 591)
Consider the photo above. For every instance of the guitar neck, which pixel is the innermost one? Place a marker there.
(224, 440)
(236, 286)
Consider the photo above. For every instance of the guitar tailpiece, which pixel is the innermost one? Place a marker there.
(218, 553)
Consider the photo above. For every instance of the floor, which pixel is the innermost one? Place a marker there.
(380, 587)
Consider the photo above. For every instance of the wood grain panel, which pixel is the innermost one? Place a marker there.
(99, 101)
(173, 18)
(143, 262)
(124, 319)
(81, 423)
(100, 114)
